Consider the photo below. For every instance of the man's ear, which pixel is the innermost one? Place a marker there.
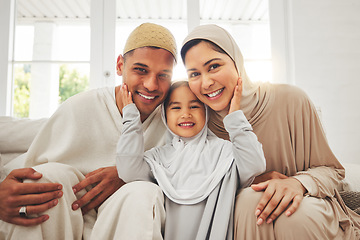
(119, 65)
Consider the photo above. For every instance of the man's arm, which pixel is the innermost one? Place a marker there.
(36, 197)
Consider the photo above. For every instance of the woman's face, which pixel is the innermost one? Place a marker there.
(212, 75)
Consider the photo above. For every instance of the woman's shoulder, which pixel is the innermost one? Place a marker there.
(288, 90)
(290, 94)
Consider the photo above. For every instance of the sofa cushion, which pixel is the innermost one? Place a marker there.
(17, 134)
(351, 199)
(352, 177)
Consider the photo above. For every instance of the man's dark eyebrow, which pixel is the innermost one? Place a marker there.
(146, 66)
(213, 59)
(141, 65)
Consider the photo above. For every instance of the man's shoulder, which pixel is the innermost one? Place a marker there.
(89, 96)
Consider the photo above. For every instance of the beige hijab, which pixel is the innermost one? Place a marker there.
(254, 97)
(282, 116)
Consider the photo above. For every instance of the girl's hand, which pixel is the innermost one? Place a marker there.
(125, 95)
(280, 195)
(235, 101)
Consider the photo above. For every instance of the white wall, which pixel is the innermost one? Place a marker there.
(44, 85)
(324, 41)
(6, 39)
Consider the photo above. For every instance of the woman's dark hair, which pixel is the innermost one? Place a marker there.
(195, 42)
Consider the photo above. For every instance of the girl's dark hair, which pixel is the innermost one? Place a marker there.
(195, 42)
(174, 86)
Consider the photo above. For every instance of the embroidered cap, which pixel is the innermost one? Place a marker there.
(151, 35)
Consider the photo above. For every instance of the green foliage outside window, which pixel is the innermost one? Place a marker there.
(71, 82)
(22, 91)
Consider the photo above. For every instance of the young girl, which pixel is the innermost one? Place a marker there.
(296, 198)
(198, 172)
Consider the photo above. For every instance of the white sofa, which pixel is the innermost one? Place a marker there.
(16, 136)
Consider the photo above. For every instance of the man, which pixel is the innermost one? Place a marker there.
(73, 156)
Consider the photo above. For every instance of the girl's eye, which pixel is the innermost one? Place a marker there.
(194, 74)
(195, 106)
(213, 66)
(175, 108)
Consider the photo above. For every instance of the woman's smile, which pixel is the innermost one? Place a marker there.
(212, 75)
(215, 94)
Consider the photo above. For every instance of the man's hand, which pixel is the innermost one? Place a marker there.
(235, 101)
(36, 197)
(282, 194)
(107, 182)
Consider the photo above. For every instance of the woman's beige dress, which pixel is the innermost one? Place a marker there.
(294, 143)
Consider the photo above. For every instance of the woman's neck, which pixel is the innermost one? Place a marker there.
(223, 112)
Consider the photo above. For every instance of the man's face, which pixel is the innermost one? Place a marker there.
(147, 73)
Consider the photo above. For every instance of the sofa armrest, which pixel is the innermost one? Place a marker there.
(351, 199)
(16, 134)
(351, 181)
(349, 189)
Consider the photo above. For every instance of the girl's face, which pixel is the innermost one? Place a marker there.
(185, 114)
(212, 75)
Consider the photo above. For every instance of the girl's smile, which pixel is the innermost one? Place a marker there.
(185, 114)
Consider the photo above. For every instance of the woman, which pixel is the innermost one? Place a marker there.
(296, 198)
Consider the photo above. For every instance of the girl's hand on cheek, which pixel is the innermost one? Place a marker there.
(125, 95)
(235, 101)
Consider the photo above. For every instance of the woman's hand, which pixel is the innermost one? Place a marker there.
(235, 101)
(279, 195)
(268, 176)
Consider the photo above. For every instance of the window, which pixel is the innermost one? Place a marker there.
(252, 34)
(51, 56)
(248, 23)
